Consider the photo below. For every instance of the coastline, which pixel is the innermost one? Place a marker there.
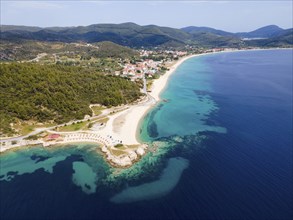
(124, 126)
(130, 131)
(160, 84)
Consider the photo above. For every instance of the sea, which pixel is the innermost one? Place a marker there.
(220, 148)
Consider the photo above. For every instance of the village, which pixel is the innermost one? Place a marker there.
(150, 65)
(154, 63)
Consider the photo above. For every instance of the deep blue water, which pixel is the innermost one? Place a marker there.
(247, 172)
(233, 115)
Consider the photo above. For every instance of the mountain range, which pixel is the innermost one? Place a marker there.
(134, 35)
(263, 32)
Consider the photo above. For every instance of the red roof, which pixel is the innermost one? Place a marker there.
(53, 136)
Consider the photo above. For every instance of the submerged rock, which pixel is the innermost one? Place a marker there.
(161, 187)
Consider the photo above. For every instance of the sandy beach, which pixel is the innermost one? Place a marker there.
(160, 84)
(124, 125)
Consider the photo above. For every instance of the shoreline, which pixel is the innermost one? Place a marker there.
(129, 129)
(158, 87)
(124, 126)
(121, 128)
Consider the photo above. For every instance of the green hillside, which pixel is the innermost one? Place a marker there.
(133, 35)
(285, 39)
(59, 93)
(126, 34)
(29, 49)
(110, 49)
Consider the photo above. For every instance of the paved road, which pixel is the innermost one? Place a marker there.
(39, 130)
(149, 100)
(144, 85)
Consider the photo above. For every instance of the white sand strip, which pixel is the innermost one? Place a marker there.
(124, 125)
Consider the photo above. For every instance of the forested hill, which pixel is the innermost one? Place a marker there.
(56, 92)
(126, 34)
(28, 49)
(110, 49)
(134, 35)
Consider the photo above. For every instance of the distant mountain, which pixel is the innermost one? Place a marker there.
(206, 36)
(211, 40)
(284, 38)
(126, 34)
(196, 30)
(264, 32)
(4, 28)
(133, 35)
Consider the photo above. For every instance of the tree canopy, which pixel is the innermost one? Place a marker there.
(56, 92)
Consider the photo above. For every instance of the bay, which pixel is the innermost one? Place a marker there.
(226, 118)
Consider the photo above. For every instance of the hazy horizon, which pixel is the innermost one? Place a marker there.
(240, 16)
(134, 23)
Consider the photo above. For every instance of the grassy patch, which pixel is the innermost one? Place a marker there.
(149, 84)
(117, 153)
(134, 146)
(74, 127)
(25, 129)
(118, 145)
(97, 109)
(102, 120)
(32, 137)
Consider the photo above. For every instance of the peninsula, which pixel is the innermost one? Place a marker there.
(116, 136)
(114, 129)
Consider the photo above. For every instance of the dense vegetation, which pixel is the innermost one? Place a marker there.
(269, 36)
(133, 35)
(127, 34)
(284, 39)
(205, 39)
(109, 49)
(28, 50)
(263, 32)
(57, 92)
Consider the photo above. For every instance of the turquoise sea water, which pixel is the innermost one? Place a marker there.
(185, 91)
(221, 148)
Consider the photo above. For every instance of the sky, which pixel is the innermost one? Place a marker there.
(233, 16)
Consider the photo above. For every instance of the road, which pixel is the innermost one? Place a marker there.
(106, 112)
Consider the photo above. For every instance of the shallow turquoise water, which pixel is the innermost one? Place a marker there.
(188, 88)
(221, 148)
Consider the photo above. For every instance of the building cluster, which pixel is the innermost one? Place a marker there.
(165, 53)
(226, 49)
(152, 62)
(139, 70)
(84, 45)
